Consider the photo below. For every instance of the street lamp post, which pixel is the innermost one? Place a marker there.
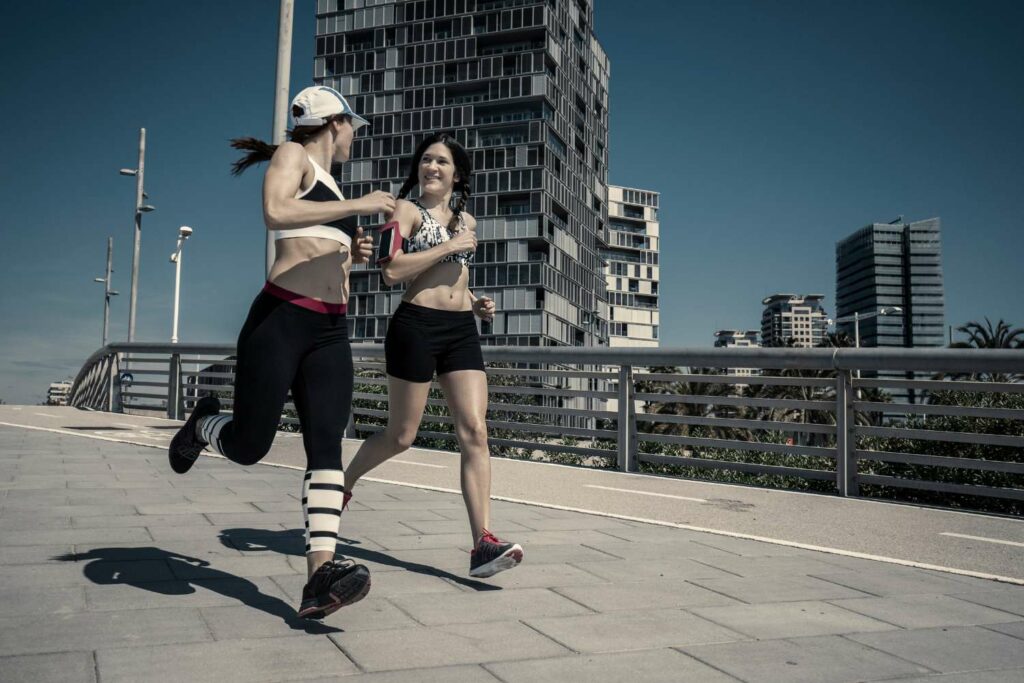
(857, 317)
(184, 232)
(107, 291)
(140, 209)
(284, 67)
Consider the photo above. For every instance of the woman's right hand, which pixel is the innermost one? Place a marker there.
(377, 202)
(462, 241)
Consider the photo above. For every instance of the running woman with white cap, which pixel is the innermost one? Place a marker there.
(296, 334)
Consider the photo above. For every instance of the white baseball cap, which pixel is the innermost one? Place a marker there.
(318, 103)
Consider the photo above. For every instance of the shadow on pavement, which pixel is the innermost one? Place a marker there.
(292, 542)
(133, 567)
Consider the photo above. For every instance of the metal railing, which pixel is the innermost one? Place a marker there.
(806, 418)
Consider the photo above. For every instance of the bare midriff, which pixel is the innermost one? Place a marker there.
(312, 266)
(445, 287)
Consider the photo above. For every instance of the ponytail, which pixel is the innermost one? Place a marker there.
(259, 151)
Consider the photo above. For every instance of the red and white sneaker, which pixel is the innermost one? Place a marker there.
(492, 555)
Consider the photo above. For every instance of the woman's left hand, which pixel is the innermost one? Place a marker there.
(484, 308)
(362, 247)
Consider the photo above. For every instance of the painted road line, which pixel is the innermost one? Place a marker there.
(421, 464)
(52, 417)
(644, 493)
(982, 538)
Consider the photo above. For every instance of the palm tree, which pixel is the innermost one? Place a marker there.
(1002, 336)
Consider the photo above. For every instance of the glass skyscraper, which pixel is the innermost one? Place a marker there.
(523, 85)
(893, 264)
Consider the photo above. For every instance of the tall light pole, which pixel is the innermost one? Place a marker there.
(284, 66)
(107, 291)
(140, 209)
(184, 232)
(857, 317)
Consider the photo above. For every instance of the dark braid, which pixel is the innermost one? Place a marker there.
(463, 188)
(260, 151)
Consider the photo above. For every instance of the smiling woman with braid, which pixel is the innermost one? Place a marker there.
(428, 243)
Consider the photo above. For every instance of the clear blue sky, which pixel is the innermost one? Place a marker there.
(771, 130)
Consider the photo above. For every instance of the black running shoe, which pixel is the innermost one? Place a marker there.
(186, 445)
(334, 585)
(492, 555)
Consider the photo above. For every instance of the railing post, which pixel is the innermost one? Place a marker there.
(175, 409)
(846, 461)
(627, 420)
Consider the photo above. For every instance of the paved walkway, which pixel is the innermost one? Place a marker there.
(114, 569)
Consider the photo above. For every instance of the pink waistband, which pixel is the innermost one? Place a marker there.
(304, 301)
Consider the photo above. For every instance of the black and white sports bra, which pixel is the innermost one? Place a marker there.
(323, 189)
(432, 233)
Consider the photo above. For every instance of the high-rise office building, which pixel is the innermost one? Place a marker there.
(632, 270)
(893, 265)
(791, 316)
(523, 85)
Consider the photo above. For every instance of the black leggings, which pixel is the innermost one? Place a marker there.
(285, 346)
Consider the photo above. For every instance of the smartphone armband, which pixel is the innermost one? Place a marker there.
(391, 241)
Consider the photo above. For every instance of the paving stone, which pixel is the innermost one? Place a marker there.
(228, 591)
(236, 661)
(248, 566)
(790, 619)
(64, 536)
(1004, 599)
(1013, 628)
(447, 674)
(949, 649)
(507, 528)
(652, 666)
(174, 534)
(95, 630)
(645, 550)
(195, 508)
(35, 600)
(34, 554)
(110, 522)
(529, 575)
(569, 553)
(445, 645)
(475, 607)
(780, 589)
(62, 667)
(636, 596)
(887, 580)
(997, 676)
(651, 570)
(80, 510)
(925, 611)
(766, 567)
(823, 659)
(621, 631)
(577, 523)
(278, 619)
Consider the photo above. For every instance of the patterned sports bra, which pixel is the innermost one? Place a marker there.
(432, 233)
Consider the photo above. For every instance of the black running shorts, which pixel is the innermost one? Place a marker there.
(421, 340)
